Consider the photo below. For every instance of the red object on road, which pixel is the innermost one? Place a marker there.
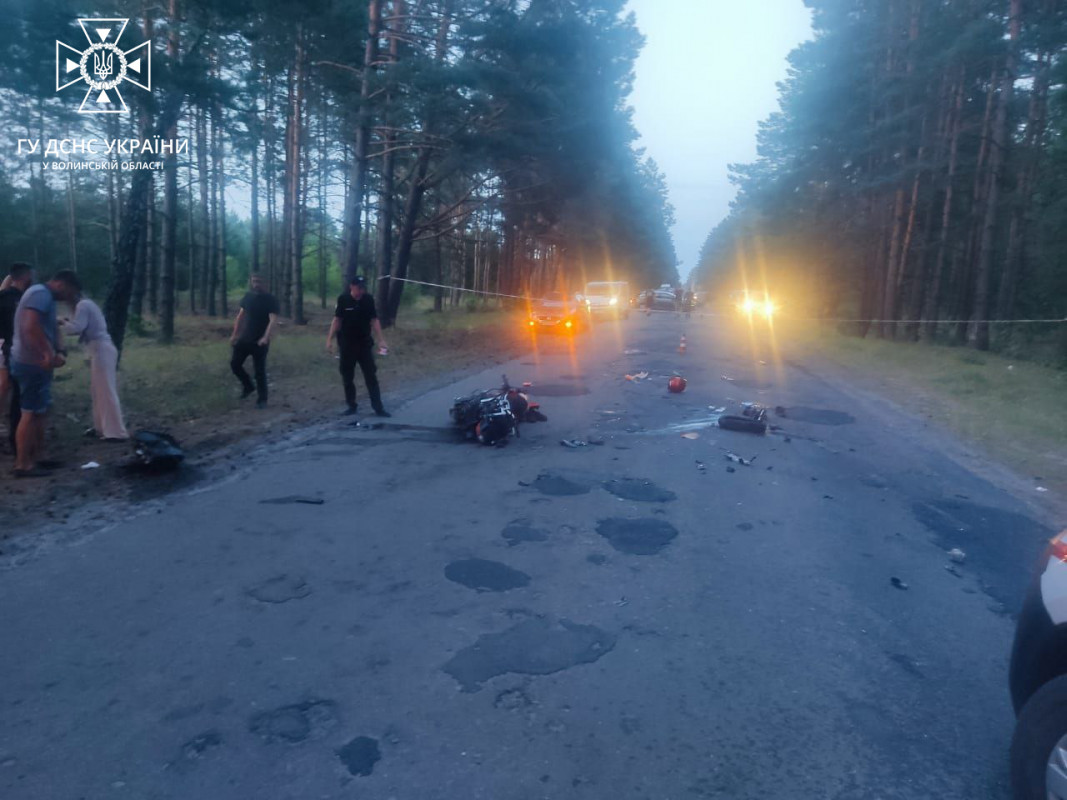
(676, 385)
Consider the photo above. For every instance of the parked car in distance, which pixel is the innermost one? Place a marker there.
(608, 298)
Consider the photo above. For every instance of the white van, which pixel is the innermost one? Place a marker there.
(604, 298)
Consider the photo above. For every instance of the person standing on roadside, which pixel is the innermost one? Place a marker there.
(36, 353)
(18, 280)
(91, 329)
(354, 321)
(252, 331)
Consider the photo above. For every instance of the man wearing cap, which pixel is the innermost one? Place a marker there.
(354, 320)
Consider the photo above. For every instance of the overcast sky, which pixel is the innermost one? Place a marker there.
(705, 79)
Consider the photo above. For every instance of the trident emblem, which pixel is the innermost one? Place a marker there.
(103, 65)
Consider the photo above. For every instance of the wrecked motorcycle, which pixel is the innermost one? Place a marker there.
(492, 415)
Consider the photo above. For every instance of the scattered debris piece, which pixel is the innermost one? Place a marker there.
(294, 499)
(731, 469)
(90, 465)
(691, 435)
(676, 385)
(763, 363)
(156, 452)
(951, 570)
(734, 422)
(717, 409)
(633, 352)
(727, 378)
(957, 555)
(701, 466)
(738, 460)
(898, 584)
(595, 441)
(622, 601)
(1042, 489)
(573, 443)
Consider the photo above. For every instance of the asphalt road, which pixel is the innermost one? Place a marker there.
(642, 618)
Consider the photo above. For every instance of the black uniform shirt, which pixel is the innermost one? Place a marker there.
(258, 307)
(356, 316)
(9, 302)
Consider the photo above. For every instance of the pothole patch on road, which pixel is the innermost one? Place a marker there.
(638, 537)
(556, 485)
(520, 531)
(485, 576)
(280, 589)
(638, 489)
(819, 416)
(295, 723)
(360, 755)
(533, 647)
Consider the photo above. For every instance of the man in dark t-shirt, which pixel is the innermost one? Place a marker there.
(252, 331)
(19, 279)
(354, 321)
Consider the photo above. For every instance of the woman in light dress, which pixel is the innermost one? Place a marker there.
(90, 327)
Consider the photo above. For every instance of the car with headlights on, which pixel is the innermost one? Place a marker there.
(558, 313)
(608, 299)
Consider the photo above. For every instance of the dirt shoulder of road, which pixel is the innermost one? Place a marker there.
(1009, 412)
(186, 389)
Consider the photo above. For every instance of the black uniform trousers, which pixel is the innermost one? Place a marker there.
(362, 353)
(241, 352)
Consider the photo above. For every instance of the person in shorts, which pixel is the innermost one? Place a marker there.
(37, 351)
(18, 280)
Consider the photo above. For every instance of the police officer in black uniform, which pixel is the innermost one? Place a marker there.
(354, 320)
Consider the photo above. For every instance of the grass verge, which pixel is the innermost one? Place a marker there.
(1013, 410)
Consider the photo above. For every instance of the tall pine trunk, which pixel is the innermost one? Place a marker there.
(357, 181)
(978, 330)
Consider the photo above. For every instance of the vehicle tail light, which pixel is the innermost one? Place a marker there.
(531, 323)
(569, 324)
(1058, 546)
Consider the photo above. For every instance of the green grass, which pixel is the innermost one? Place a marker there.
(1012, 409)
(187, 387)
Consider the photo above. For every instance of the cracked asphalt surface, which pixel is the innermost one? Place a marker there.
(639, 618)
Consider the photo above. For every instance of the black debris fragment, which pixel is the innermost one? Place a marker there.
(898, 584)
(293, 499)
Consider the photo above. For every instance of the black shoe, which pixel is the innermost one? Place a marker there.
(246, 393)
(261, 404)
(348, 411)
(381, 412)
